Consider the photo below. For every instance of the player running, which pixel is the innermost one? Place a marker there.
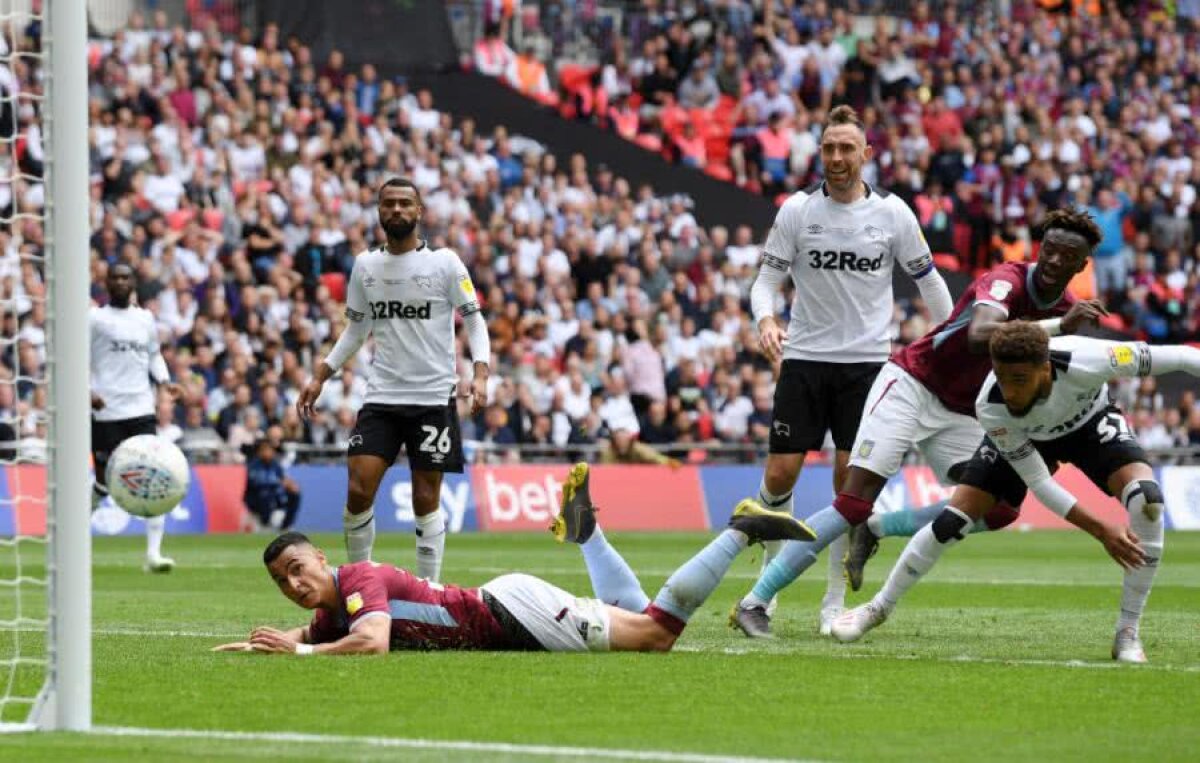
(925, 396)
(373, 608)
(838, 240)
(1047, 403)
(405, 295)
(125, 360)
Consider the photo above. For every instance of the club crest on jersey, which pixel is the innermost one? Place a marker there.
(782, 428)
(425, 282)
(874, 232)
(815, 230)
(1000, 289)
(354, 602)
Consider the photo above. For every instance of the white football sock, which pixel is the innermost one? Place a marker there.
(835, 586)
(360, 534)
(921, 553)
(1135, 589)
(156, 527)
(431, 545)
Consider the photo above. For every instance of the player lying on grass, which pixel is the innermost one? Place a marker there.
(1046, 402)
(367, 608)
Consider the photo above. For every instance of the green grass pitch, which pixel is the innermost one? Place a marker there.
(1002, 654)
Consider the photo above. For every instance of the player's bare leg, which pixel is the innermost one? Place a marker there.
(852, 506)
(834, 602)
(431, 523)
(366, 472)
(1143, 499)
(967, 505)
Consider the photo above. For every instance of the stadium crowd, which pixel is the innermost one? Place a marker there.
(980, 120)
(238, 177)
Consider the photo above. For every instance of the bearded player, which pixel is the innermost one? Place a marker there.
(366, 607)
(405, 295)
(1046, 403)
(127, 364)
(837, 242)
(925, 397)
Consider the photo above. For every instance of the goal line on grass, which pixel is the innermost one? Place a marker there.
(445, 745)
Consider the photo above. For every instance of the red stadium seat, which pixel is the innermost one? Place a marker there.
(947, 262)
(719, 170)
(336, 283)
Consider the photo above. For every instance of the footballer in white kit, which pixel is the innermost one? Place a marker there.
(405, 295)
(838, 241)
(126, 363)
(1046, 402)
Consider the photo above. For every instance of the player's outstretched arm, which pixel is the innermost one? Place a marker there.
(1119, 541)
(299, 635)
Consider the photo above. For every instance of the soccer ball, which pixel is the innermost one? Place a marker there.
(147, 475)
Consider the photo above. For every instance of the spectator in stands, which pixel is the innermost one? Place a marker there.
(272, 497)
(527, 74)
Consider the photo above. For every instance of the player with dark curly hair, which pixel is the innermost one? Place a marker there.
(925, 397)
(1046, 403)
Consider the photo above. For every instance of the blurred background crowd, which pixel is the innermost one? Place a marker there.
(237, 175)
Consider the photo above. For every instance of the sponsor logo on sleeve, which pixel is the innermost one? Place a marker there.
(467, 288)
(354, 602)
(1000, 289)
(1121, 356)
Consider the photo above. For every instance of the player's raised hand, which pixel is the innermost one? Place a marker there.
(1123, 546)
(770, 338)
(1081, 313)
(308, 398)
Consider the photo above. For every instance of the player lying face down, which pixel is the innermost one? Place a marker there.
(371, 608)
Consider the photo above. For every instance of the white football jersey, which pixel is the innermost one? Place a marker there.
(840, 258)
(409, 302)
(125, 357)
(1082, 368)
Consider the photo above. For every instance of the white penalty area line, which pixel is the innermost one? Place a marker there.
(444, 745)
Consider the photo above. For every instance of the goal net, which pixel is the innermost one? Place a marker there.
(45, 552)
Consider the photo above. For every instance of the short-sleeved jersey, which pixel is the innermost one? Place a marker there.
(942, 361)
(840, 258)
(125, 354)
(409, 301)
(424, 615)
(1081, 369)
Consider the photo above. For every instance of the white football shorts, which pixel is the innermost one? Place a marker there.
(559, 621)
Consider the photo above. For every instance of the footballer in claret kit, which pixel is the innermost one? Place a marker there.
(1046, 403)
(367, 607)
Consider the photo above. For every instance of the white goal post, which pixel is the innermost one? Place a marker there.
(65, 701)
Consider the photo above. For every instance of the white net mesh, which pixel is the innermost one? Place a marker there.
(24, 437)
